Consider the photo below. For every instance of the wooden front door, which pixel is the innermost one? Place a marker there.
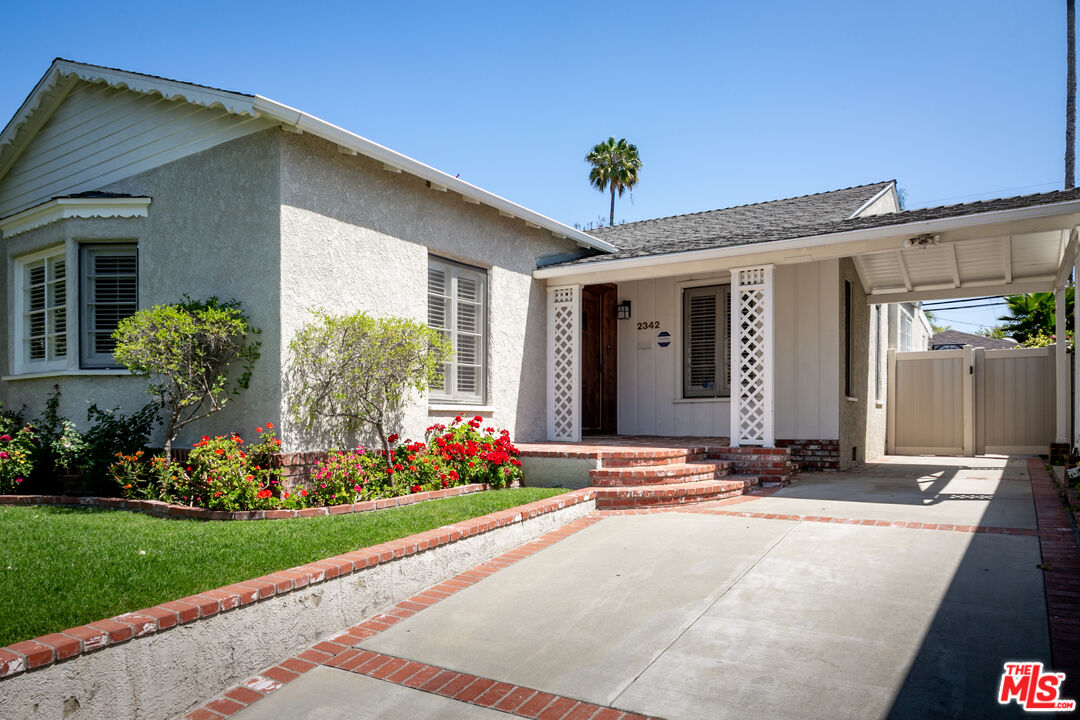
(598, 359)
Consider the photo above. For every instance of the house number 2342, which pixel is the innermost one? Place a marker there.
(649, 325)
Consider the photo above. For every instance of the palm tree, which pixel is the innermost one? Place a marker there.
(1032, 314)
(615, 168)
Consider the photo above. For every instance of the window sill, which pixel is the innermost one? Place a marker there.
(64, 373)
(459, 409)
(691, 401)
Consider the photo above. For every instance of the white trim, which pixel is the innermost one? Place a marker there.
(64, 208)
(880, 194)
(1065, 265)
(807, 242)
(291, 118)
(63, 373)
(563, 296)
(17, 337)
(459, 409)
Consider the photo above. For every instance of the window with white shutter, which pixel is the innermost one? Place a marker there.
(44, 312)
(706, 341)
(457, 307)
(110, 293)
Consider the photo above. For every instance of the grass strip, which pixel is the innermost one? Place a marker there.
(61, 567)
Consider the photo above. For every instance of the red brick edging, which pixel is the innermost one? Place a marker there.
(56, 647)
(163, 509)
(1061, 577)
(342, 652)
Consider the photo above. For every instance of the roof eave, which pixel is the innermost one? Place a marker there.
(805, 242)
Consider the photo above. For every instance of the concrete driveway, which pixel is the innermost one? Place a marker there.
(895, 591)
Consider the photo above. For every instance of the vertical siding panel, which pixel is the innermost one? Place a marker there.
(827, 415)
(808, 337)
(784, 364)
(664, 312)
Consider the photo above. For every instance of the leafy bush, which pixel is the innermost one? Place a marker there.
(112, 433)
(19, 451)
(355, 371)
(140, 477)
(189, 350)
(63, 446)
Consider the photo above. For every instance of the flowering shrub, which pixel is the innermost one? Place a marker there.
(221, 475)
(458, 454)
(145, 478)
(19, 448)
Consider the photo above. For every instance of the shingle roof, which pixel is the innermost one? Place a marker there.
(805, 216)
(957, 338)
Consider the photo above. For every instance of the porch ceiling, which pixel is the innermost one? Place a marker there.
(935, 266)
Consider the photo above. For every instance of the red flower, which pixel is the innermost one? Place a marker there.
(478, 419)
(392, 438)
(270, 425)
(263, 494)
(303, 493)
(416, 488)
(277, 441)
(219, 451)
(258, 429)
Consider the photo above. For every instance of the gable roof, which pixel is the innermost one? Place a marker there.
(63, 75)
(794, 218)
(758, 220)
(957, 338)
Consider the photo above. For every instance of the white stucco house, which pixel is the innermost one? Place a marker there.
(767, 324)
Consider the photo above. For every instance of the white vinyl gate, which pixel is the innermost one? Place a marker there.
(971, 401)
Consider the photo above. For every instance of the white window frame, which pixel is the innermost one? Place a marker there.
(87, 357)
(20, 339)
(723, 391)
(450, 393)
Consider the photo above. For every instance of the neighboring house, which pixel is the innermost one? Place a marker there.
(956, 340)
(911, 327)
(765, 323)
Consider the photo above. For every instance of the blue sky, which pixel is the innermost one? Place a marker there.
(728, 102)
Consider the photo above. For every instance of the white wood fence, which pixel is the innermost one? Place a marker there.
(971, 401)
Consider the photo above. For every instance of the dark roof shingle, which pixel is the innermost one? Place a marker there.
(957, 338)
(805, 216)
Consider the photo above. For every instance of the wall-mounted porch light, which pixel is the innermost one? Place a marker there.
(624, 310)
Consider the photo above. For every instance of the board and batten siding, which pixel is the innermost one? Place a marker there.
(807, 308)
(99, 135)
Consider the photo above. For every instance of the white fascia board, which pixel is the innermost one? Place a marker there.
(333, 133)
(811, 242)
(63, 208)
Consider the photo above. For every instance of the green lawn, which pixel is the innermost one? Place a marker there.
(61, 567)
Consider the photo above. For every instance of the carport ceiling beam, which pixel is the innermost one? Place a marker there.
(955, 266)
(903, 270)
(1065, 267)
(970, 289)
(862, 273)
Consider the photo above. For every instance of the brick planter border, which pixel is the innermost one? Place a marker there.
(86, 661)
(163, 509)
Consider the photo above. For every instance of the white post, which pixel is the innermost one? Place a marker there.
(564, 363)
(969, 401)
(1076, 353)
(890, 403)
(1061, 369)
(752, 380)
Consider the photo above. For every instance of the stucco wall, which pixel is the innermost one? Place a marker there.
(355, 236)
(862, 422)
(212, 229)
(650, 377)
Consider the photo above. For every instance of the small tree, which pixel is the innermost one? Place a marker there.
(357, 370)
(189, 350)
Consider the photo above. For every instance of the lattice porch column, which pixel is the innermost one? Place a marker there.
(752, 356)
(564, 363)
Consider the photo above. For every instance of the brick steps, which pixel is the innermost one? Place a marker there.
(772, 465)
(626, 498)
(665, 473)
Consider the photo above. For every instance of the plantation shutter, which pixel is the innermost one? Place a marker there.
(110, 292)
(457, 302)
(706, 348)
(45, 315)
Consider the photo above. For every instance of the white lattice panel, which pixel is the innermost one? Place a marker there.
(564, 366)
(752, 356)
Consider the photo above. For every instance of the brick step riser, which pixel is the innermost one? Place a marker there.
(617, 462)
(663, 472)
(661, 480)
(650, 502)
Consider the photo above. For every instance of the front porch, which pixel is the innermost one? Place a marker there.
(650, 471)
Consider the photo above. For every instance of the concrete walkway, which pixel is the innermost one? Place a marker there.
(705, 613)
